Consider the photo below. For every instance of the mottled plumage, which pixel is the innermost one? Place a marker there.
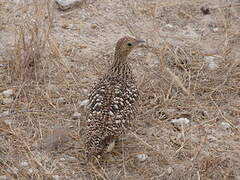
(112, 102)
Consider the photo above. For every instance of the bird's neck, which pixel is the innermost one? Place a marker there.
(121, 68)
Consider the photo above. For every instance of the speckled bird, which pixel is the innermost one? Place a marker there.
(112, 102)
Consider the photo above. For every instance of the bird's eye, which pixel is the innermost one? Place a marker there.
(129, 44)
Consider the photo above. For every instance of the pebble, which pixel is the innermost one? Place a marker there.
(76, 115)
(60, 100)
(94, 26)
(24, 164)
(7, 100)
(211, 62)
(8, 93)
(212, 65)
(180, 121)
(57, 177)
(85, 91)
(225, 125)
(67, 4)
(142, 157)
(4, 113)
(84, 102)
(52, 87)
(215, 29)
(169, 25)
(30, 171)
(8, 121)
(169, 170)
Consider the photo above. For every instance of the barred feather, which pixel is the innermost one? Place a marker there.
(112, 102)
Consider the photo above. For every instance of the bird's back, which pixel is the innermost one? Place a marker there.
(112, 107)
(112, 102)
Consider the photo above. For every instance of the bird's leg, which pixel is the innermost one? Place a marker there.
(111, 146)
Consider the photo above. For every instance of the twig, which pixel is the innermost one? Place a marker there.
(148, 145)
(220, 112)
(24, 111)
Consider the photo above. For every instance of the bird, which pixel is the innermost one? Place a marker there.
(113, 102)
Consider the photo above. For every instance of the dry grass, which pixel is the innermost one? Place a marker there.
(27, 58)
(56, 57)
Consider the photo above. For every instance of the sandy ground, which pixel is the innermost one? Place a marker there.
(188, 71)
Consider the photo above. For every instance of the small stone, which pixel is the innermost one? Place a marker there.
(142, 157)
(85, 91)
(65, 26)
(7, 100)
(84, 102)
(215, 29)
(67, 4)
(57, 177)
(8, 121)
(94, 26)
(24, 163)
(60, 100)
(30, 171)
(52, 87)
(212, 65)
(71, 158)
(180, 121)
(4, 113)
(76, 115)
(225, 125)
(62, 159)
(8, 93)
(211, 62)
(169, 25)
(169, 170)
(205, 10)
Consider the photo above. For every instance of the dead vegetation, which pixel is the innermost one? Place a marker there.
(27, 59)
(189, 68)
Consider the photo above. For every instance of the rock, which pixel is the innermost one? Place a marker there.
(169, 170)
(142, 157)
(215, 29)
(67, 4)
(8, 93)
(205, 10)
(52, 87)
(71, 158)
(7, 100)
(76, 115)
(180, 121)
(211, 62)
(212, 65)
(30, 171)
(8, 121)
(94, 26)
(60, 100)
(4, 113)
(24, 163)
(85, 91)
(225, 125)
(56, 177)
(84, 102)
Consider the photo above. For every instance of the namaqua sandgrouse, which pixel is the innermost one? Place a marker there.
(112, 102)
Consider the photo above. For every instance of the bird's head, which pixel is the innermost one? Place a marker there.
(125, 45)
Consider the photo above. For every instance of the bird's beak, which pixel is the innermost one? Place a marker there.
(139, 42)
